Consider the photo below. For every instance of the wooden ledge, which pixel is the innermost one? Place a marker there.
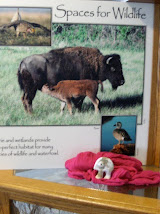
(72, 198)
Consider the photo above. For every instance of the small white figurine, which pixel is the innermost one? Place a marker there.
(103, 165)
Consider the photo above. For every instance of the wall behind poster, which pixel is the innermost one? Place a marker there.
(74, 20)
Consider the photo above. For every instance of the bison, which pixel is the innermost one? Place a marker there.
(71, 63)
(69, 91)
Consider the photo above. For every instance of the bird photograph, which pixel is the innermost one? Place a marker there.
(25, 26)
(121, 134)
(118, 134)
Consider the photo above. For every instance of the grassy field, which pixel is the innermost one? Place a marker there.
(39, 38)
(126, 100)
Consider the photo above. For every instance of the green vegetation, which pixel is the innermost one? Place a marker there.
(126, 100)
(100, 36)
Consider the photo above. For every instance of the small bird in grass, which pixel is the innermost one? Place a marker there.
(120, 134)
(24, 28)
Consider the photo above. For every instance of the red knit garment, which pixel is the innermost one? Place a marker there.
(127, 170)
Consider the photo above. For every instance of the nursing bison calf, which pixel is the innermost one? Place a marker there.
(73, 63)
(75, 91)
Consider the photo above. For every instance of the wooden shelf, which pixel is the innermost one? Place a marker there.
(71, 198)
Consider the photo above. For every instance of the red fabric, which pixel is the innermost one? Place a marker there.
(127, 170)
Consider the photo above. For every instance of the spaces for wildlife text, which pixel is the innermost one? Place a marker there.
(117, 13)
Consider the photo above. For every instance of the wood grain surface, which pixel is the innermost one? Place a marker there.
(72, 198)
(154, 127)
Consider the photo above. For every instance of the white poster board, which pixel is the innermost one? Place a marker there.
(25, 141)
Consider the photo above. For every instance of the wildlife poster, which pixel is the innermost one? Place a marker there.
(107, 43)
(118, 134)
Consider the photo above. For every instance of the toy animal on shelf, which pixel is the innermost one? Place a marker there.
(103, 165)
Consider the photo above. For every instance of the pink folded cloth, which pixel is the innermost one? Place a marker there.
(127, 170)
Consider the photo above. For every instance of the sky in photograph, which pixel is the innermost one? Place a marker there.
(28, 10)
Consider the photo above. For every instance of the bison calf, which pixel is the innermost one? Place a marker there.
(75, 91)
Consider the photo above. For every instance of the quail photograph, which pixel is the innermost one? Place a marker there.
(25, 26)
